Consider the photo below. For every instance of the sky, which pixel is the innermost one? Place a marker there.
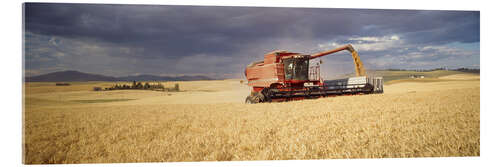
(123, 40)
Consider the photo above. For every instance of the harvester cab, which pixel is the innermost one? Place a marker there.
(284, 76)
(297, 68)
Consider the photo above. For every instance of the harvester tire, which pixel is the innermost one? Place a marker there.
(260, 97)
(250, 100)
(265, 95)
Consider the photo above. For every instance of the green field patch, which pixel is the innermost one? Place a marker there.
(31, 101)
(101, 100)
(420, 80)
(405, 75)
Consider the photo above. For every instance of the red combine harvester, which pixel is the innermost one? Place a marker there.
(284, 76)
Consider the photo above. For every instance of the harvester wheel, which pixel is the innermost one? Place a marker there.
(250, 100)
(266, 95)
(260, 97)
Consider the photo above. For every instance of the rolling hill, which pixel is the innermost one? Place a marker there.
(75, 76)
(67, 76)
(391, 75)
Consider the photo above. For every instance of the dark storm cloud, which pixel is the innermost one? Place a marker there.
(226, 38)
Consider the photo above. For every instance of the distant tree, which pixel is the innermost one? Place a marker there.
(176, 87)
(139, 85)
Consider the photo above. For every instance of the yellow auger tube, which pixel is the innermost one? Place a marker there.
(358, 65)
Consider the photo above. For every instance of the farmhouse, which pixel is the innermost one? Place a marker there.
(416, 76)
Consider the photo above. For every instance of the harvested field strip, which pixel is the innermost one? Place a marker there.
(101, 100)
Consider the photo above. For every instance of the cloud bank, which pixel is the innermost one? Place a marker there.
(120, 40)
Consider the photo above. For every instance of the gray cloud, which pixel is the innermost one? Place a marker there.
(127, 39)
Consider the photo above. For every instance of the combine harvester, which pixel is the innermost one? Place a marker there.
(285, 76)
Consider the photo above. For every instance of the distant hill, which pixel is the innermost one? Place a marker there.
(67, 76)
(390, 75)
(75, 76)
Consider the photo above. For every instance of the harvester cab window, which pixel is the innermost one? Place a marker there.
(296, 69)
(288, 64)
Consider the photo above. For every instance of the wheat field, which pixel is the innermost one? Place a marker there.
(208, 121)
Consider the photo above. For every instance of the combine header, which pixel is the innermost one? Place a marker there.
(284, 76)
